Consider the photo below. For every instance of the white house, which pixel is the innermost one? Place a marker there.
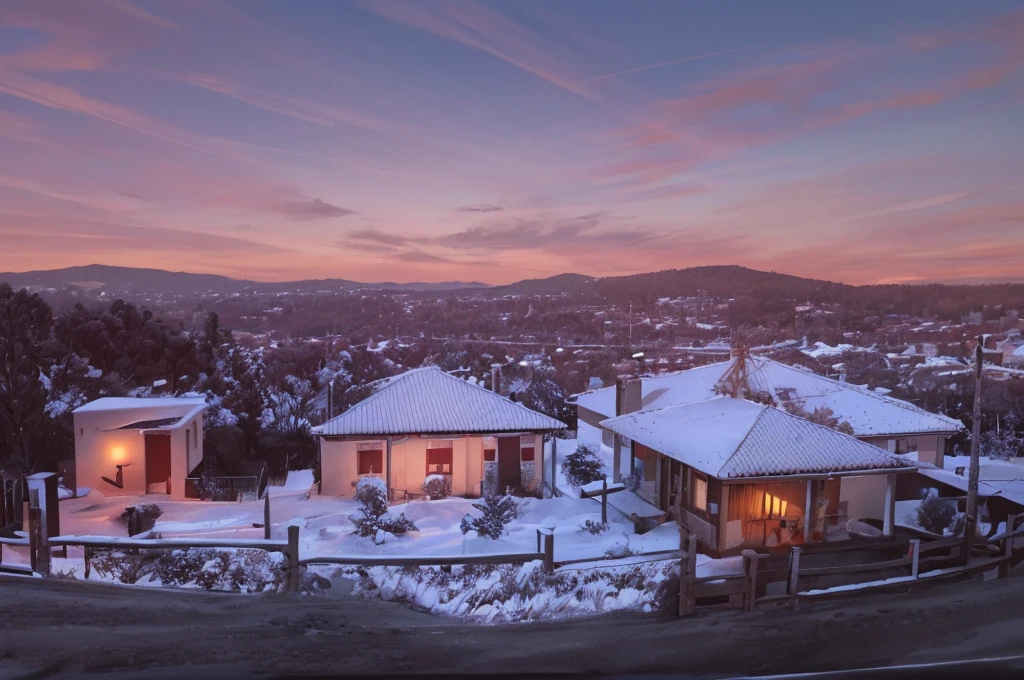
(745, 475)
(137, 446)
(892, 424)
(427, 422)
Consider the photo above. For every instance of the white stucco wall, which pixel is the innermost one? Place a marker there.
(864, 495)
(339, 464)
(98, 448)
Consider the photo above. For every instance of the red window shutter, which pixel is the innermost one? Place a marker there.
(371, 462)
(489, 455)
(526, 454)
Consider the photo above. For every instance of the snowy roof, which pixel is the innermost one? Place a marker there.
(128, 403)
(736, 438)
(869, 413)
(1019, 352)
(141, 413)
(428, 400)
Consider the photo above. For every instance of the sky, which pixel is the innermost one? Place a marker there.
(383, 140)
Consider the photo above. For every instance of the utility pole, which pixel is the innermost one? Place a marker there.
(971, 523)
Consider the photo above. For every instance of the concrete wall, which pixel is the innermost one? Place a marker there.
(339, 464)
(865, 496)
(98, 449)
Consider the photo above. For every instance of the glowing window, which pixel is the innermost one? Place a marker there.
(774, 506)
(700, 493)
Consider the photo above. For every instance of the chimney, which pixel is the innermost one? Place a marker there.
(628, 398)
(628, 395)
(495, 378)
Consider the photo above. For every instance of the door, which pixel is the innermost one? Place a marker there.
(509, 471)
(158, 463)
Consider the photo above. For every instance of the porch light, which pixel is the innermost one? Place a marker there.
(638, 355)
(117, 454)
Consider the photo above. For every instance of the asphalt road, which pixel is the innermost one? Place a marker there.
(68, 629)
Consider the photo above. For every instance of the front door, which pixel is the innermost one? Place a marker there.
(509, 470)
(158, 463)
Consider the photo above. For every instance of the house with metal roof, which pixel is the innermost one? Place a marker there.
(135, 446)
(891, 424)
(426, 422)
(742, 475)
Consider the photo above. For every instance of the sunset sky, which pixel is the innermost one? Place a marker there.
(497, 141)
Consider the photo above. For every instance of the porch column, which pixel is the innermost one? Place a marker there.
(889, 518)
(723, 519)
(616, 458)
(387, 464)
(809, 516)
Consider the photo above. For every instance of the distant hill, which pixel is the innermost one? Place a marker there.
(138, 281)
(719, 281)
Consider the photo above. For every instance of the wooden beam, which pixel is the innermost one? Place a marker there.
(388, 478)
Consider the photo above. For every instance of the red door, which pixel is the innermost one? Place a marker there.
(158, 461)
(509, 471)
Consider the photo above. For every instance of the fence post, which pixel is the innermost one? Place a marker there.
(549, 552)
(1007, 564)
(604, 501)
(915, 556)
(266, 516)
(687, 578)
(750, 569)
(39, 538)
(794, 575)
(293, 559)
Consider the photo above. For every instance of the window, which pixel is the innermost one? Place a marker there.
(439, 461)
(700, 492)
(490, 449)
(371, 461)
(905, 446)
(490, 455)
(774, 506)
(526, 454)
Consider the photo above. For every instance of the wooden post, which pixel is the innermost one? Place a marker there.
(688, 578)
(604, 501)
(970, 526)
(794, 575)
(39, 539)
(293, 559)
(915, 556)
(750, 570)
(808, 515)
(1007, 564)
(539, 547)
(549, 552)
(388, 479)
(266, 516)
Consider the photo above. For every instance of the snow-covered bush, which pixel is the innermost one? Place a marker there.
(372, 494)
(581, 466)
(936, 514)
(633, 480)
(507, 593)
(124, 566)
(595, 528)
(495, 513)
(437, 486)
(241, 570)
(141, 517)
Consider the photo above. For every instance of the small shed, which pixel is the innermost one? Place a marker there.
(130, 446)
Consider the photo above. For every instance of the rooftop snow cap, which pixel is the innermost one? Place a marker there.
(729, 438)
(869, 413)
(142, 412)
(430, 401)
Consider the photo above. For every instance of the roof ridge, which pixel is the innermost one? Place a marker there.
(764, 409)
